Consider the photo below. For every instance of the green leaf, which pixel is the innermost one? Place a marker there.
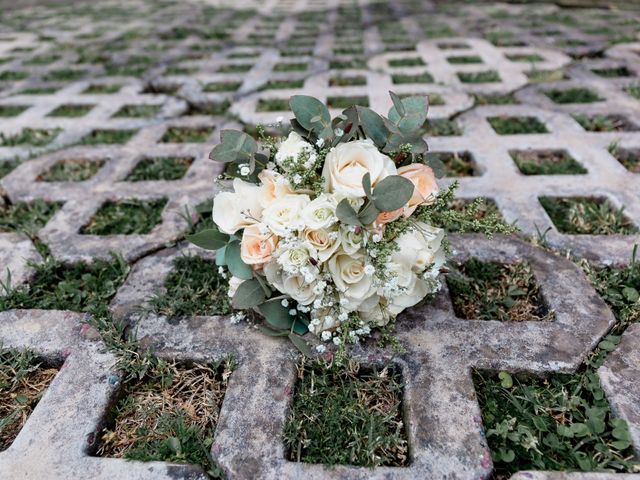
(412, 116)
(276, 315)
(432, 160)
(368, 214)
(22, 399)
(505, 380)
(210, 239)
(631, 294)
(346, 214)
(234, 261)
(234, 146)
(366, 185)
(579, 429)
(507, 456)
(392, 193)
(273, 333)
(397, 104)
(248, 295)
(607, 346)
(220, 256)
(174, 444)
(300, 344)
(312, 114)
(373, 126)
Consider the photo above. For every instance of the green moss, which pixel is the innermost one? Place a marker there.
(407, 62)
(290, 67)
(516, 125)
(612, 72)
(400, 79)
(126, 217)
(282, 84)
(235, 68)
(586, 216)
(530, 57)
(160, 168)
(462, 59)
(633, 90)
(494, 99)
(442, 127)
(487, 76)
(457, 164)
(12, 76)
(39, 90)
(540, 76)
(42, 59)
(546, 162)
(272, 105)
(63, 75)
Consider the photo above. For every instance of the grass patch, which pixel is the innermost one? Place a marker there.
(42, 59)
(347, 81)
(442, 127)
(282, 84)
(7, 166)
(401, 78)
(487, 76)
(64, 75)
(525, 57)
(573, 95)
(353, 64)
(208, 108)
(290, 67)
(494, 99)
(169, 416)
(633, 90)
(272, 105)
(23, 381)
(102, 89)
(194, 287)
(237, 68)
(630, 158)
(72, 170)
(546, 162)
(457, 164)
(29, 136)
(39, 91)
(612, 72)
(493, 291)
(221, 86)
(346, 102)
(406, 62)
(71, 110)
(479, 209)
(343, 415)
(586, 216)
(463, 59)
(138, 111)
(186, 134)
(452, 46)
(160, 168)
(504, 125)
(78, 287)
(12, 110)
(107, 137)
(603, 123)
(541, 76)
(12, 76)
(126, 217)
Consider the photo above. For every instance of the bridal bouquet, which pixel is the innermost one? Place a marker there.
(328, 230)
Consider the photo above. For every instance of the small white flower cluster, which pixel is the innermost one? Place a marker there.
(328, 270)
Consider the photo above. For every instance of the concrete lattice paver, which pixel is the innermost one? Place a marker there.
(210, 65)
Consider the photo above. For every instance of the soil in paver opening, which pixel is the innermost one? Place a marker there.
(71, 170)
(546, 162)
(221, 87)
(169, 416)
(126, 217)
(586, 216)
(347, 416)
(491, 291)
(457, 164)
(630, 158)
(604, 123)
(23, 381)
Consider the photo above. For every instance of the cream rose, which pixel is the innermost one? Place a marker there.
(295, 256)
(257, 246)
(346, 164)
(238, 209)
(424, 181)
(320, 212)
(420, 247)
(274, 186)
(350, 240)
(284, 214)
(293, 285)
(326, 242)
(349, 277)
(292, 147)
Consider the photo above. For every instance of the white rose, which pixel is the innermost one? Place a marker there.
(295, 256)
(349, 277)
(375, 311)
(346, 164)
(283, 215)
(293, 285)
(235, 210)
(234, 283)
(350, 240)
(420, 247)
(419, 289)
(326, 242)
(274, 186)
(320, 213)
(292, 147)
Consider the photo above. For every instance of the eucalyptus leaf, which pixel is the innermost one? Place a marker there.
(276, 315)
(432, 160)
(374, 127)
(248, 295)
(220, 256)
(366, 185)
(234, 261)
(273, 333)
(412, 116)
(210, 239)
(234, 146)
(397, 104)
(368, 214)
(299, 327)
(346, 213)
(311, 113)
(300, 344)
(392, 192)
(299, 129)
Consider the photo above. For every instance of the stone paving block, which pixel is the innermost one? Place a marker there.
(16, 252)
(443, 417)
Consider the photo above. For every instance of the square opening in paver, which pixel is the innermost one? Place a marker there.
(125, 217)
(525, 57)
(453, 46)
(23, 380)
(587, 216)
(290, 67)
(26, 217)
(402, 78)
(604, 123)
(629, 157)
(353, 64)
(558, 423)
(505, 125)
(194, 287)
(208, 108)
(237, 68)
(541, 76)
(344, 81)
(442, 127)
(357, 416)
(187, 134)
(160, 168)
(495, 291)
(221, 86)
(36, 137)
(612, 72)
(98, 89)
(39, 90)
(12, 76)
(138, 111)
(12, 110)
(170, 415)
(345, 102)
(282, 84)
(64, 74)
(480, 208)
(107, 137)
(633, 90)
(456, 164)
(71, 110)
(495, 99)
(7, 166)
(462, 59)
(71, 170)
(546, 162)
(488, 76)
(573, 95)
(407, 62)
(272, 105)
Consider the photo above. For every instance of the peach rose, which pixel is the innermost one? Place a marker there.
(425, 185)
(274, 186)
(256, 247)
(388, 217)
